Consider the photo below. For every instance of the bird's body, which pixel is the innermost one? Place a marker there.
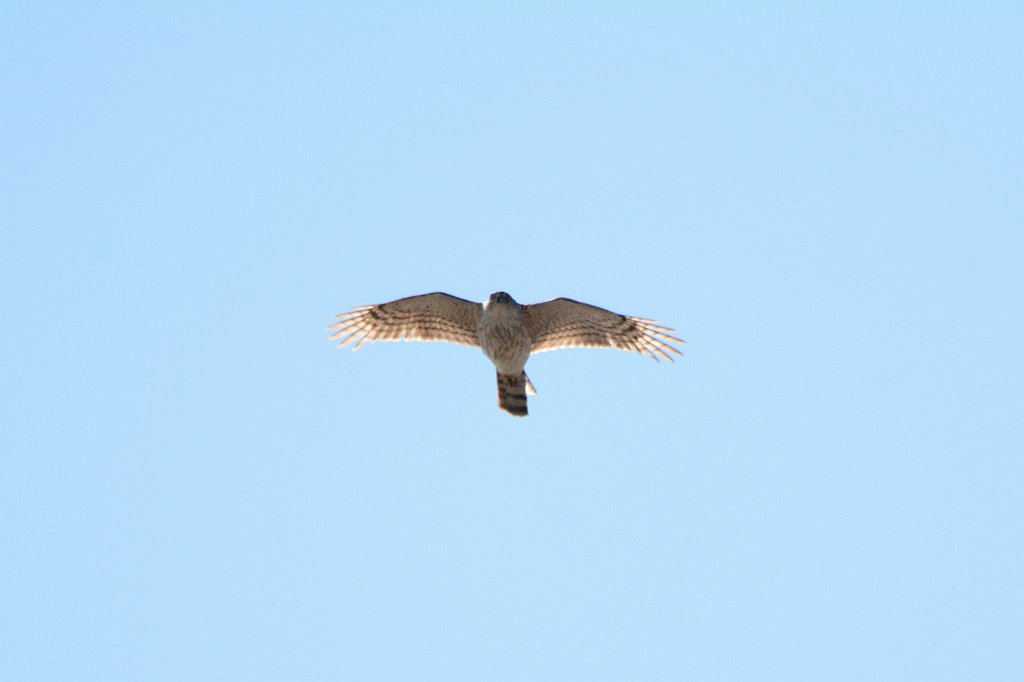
(506, 342)
(506, 331)
(503, 334)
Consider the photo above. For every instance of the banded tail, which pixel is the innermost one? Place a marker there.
(512, 392)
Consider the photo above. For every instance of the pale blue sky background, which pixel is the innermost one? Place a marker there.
(825, 202)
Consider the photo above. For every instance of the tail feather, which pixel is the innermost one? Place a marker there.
(512, 393)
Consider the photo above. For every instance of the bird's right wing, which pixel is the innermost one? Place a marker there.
(565, 323)
(428, 317)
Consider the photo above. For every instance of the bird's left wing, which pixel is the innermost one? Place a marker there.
(428, 317)
(565, 323)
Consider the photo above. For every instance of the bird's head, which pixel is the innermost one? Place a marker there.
(499, 298)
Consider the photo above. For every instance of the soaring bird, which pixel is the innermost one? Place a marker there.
(507, 332)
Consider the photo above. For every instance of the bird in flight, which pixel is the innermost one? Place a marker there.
(507, 332)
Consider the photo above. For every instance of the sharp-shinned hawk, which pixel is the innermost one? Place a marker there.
(508, 332)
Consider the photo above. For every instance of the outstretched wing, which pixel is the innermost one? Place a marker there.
(565, 323)
(429, 317)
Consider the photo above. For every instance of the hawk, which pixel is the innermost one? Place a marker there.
(506, 331)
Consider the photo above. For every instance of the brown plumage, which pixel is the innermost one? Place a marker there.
(429, 317)
(565, 323)
(507, 332)
(512, 393)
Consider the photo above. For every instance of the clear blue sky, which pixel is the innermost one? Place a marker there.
(826, 203)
